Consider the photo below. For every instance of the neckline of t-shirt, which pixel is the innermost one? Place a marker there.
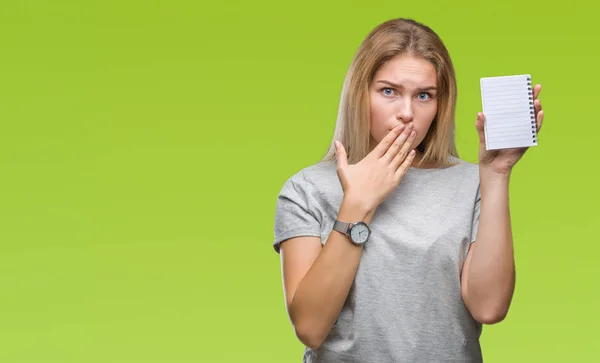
(425, 170)
(420, 170)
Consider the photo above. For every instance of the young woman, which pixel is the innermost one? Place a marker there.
(392, 248)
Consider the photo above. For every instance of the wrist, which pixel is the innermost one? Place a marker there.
(355, 210)
(493, 183)
(486, 173)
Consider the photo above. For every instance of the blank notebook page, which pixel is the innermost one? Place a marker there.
(507, 103)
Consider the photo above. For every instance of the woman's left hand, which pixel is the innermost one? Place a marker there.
(502, 161)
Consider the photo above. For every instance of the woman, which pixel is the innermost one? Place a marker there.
(393, 249)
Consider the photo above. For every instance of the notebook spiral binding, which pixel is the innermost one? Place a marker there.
(531, 110)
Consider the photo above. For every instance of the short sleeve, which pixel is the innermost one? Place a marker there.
(293, 214)
(476, 209)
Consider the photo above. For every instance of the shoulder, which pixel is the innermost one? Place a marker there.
(463, 169)
(313, 175)
(466, 175)
(459, 170)
(310, 189)
(461, 176)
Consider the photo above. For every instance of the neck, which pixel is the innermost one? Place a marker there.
(418, 159)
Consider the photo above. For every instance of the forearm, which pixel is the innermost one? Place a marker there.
(322, 292)
(491, 278)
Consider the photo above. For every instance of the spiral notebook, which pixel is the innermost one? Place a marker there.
(507, 103)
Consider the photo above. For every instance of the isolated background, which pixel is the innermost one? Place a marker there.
(143, 144)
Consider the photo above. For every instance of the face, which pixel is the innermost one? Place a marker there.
(403, 91)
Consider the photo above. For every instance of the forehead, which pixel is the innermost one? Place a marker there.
(408, 70)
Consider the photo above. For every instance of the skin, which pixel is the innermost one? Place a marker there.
(488, 277)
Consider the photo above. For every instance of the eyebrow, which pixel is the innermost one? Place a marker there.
(430, 88)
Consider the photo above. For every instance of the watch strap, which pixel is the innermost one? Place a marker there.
(341, 226)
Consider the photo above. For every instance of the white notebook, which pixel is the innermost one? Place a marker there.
(507, 103)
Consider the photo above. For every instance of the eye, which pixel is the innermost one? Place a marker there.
(424, 96)
(390, 93)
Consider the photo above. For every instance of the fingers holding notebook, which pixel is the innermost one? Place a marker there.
(539, 119)
(539, 113)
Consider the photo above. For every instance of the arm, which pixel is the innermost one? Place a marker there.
(317, 279)
(488, 277)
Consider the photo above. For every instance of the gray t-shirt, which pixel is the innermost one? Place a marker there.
(405, 303)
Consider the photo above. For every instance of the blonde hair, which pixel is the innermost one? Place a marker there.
(390, 39)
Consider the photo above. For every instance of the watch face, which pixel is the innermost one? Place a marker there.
(360, 233)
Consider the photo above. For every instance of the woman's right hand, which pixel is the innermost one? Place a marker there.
(372, 179)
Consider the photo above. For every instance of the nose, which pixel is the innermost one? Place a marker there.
(405, 113)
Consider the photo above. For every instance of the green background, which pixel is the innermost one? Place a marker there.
(143, 144)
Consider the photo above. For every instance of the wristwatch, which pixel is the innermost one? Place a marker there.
(358, 232)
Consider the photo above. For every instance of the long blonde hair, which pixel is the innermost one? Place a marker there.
(390, 39)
